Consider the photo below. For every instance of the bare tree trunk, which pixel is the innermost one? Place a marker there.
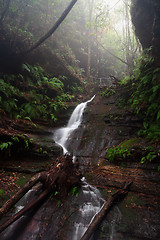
(156, 34)
(59, 178)
(28, 207)
(15, 198)
(91, 3)
(53, 29)
(120, 194)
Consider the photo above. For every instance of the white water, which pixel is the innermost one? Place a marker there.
(90, 197)
(89, 200)
(61, 135)
(90, 204)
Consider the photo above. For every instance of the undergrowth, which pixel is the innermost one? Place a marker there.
(108, 92)
(144, 100)
(33, 95)
(15, 144)
(142, 155)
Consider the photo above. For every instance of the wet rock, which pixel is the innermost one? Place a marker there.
(104, 125)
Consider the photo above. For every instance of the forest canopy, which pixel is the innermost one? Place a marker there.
(91, 39)
(94, 40)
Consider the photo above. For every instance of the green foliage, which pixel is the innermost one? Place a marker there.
(34, 95)
(148, 155)
(145, 99)
(56, 83)
(122, 152)
(56, 193)
(117, 153)
(16, 144)
(75, 191)
(21, 181)
(41, 150)
(8, 99)
(129, 143)
(150, 131)
(124, 80)
(5, 147)
(108, 92)
(76, 89)
(2, 194)
(54, 197)
(59, 203)
(38, 75)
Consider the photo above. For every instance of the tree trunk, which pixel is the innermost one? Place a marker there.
(120, 194)
(28, 207)
(91, 3)
(156, 34)
(60, 178)
(53, 29)
(15, 198)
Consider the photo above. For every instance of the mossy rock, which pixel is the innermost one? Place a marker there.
(130, 143)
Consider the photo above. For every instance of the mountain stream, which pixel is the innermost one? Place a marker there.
(88, 202)
(92, 198)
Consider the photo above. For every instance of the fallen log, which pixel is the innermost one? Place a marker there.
(60, 178)
(15, 198)
(28, 207)
(97, 220)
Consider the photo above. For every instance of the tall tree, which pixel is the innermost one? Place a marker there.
(90, 5)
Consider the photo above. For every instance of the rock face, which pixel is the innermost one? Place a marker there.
(142, 13)
(146, 19)
(104, 126)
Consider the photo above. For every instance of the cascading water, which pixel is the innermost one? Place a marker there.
(61, 135)
(92, 200)
(89, 201)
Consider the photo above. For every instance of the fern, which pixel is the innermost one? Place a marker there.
(56, 83)
(5, 145)
(145, 100)
(19, 101)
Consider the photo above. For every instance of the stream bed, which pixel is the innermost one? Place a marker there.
(136, 218)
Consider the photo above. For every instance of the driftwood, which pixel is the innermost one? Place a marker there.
(60, 178)
(97, 220)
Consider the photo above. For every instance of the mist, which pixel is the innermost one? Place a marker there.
(93, 39)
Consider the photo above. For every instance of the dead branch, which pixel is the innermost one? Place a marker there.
(97, 220)
(28, 207)
(61, 177)
(15, 198)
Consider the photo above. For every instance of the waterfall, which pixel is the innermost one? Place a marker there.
(61, 135)
(92, 199)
